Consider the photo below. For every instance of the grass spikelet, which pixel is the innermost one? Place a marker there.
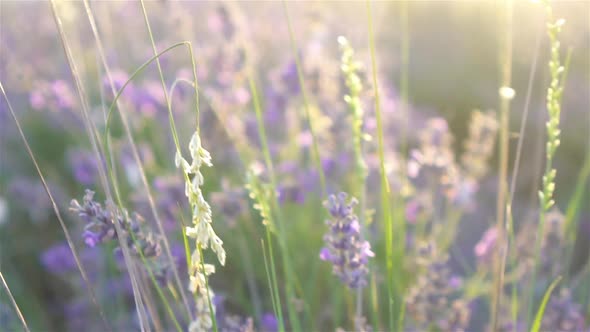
(539, 316)
(202, 232)
(554, 96)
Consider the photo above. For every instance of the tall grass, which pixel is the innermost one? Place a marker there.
(421, 278)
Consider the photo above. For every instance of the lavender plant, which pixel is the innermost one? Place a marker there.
(345, 248)
(433, 302)
(288, 126)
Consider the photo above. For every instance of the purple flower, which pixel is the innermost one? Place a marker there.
(119, 78)
(345, 248)
(90, 238)
(63, 94)
(290, 78)
(221, 22)
(149, 98)
(418, 207)
(432, 303)
(8, 319)
(563, 314)
(291, 193)
(31, 195)
(230, 202)
(170, 198)
(269, 323)
(84, 166)
(100, 227)
(484, 249)
(56, 95)
(37, 99)
(233, 323)
(119, 285)
(276, 104)
(58, 258)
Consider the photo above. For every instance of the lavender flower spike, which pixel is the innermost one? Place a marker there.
(345, 248)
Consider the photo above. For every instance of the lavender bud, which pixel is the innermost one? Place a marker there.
(345, 248)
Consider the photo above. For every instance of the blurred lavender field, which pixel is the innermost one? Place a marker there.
(294, 166)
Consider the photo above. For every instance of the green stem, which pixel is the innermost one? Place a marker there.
(287, 266)
(385, 189)
(211, 312)
(316, 152)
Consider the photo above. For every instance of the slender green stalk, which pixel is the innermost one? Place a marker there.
(539, 316)
(404, 85)
(554, 96)
(399, 201)
(353, 82)
(385, 189)
(211, 312)
(287, 265)
(109, 164)
(14, 304)
(275, 284)
(506, 95)
(400, 321)
(187, 248)
(271, 286)
(163, 297)
(250, 268)
(306, 104)
(99, 152)
(261, 203)
(509, 251)
(57, 213)
(136, 155)
(136, 73)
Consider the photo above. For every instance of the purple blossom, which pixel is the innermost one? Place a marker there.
(276, 105)
(56, 95)
(563, 314)
(84, 166)
(345, 248)
(417, 208)
(290, 78)
(7, 318)
(76, 312)
(269, 323)
(63, 94)
(58, 259)
(221, 22)
(119, 78)
(31, 195)
(149, 99)
(234, 323)
(230, 202)
(37, 99)
(100, 227)
(291, 193)
(484, 249)
(432, 302)
(169, 198)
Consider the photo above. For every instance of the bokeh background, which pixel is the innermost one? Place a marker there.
(453, 67)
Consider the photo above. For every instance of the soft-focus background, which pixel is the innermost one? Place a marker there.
(453, 67)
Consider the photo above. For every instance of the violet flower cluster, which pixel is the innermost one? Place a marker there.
(345, 248)
(563, 314)
(100, 227)
(432, 302)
